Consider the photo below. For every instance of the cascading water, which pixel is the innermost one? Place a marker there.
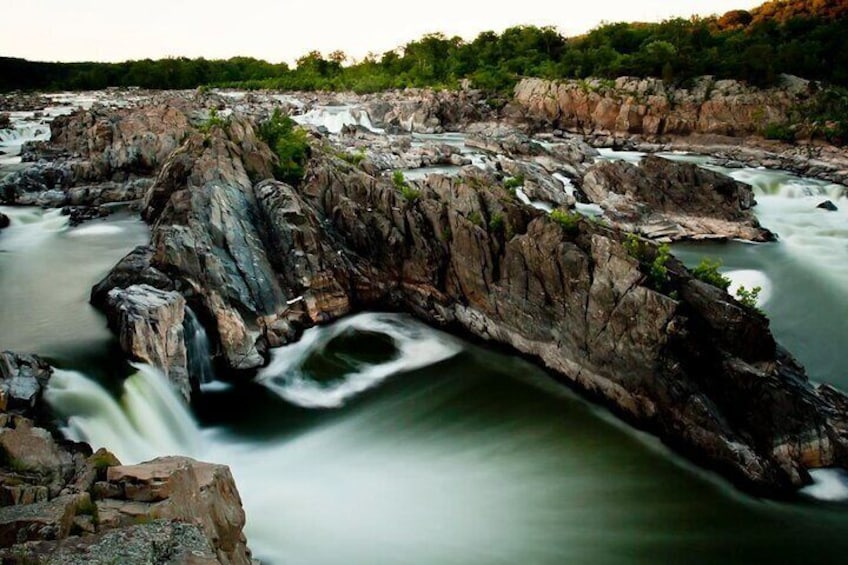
(198, 351)
(149, 421)
(335, 118)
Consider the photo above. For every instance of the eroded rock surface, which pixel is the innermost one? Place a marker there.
(664, 199)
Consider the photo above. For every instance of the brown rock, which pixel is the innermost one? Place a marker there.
(669, 200)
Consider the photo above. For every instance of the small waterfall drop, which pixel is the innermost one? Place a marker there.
(197, 349)
(149, 420)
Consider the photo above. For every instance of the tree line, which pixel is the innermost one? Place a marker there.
(808, 38)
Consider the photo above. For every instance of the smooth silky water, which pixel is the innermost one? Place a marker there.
(379, 440)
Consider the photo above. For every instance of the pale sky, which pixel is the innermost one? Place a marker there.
(117, 30)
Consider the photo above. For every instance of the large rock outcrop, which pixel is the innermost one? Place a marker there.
(648, 107)
(670, 354)
(664, 199)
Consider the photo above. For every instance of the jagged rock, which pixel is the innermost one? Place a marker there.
(48, 520)
(577, 300)
(828, 205)
(179, 488)
(664, 199)
(135, 268)
(651, 108)
(149, 324)
(206, 234)
(117, 140)
(22, 382)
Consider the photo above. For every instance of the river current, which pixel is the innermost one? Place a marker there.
(379, 440)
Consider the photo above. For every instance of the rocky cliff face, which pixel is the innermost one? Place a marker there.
(671, 354)
(650, 108)
(61, 503)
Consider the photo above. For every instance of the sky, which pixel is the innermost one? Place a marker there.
(275, 30)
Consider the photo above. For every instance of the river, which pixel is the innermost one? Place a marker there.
(379, 440)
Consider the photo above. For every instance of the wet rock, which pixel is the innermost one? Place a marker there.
(5, 222)
(828, 205)
(149, 324)
(22, 382)
(206, 234)
(80, 214)
(135, 268)
(663, 199)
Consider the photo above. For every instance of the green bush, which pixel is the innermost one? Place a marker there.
(409, 193)
(496, 222)
(569, 221)
(655, 260)
(355, 158)
(707, 271)
(749, 298)
(779, 132)
(513, 183)
(213, 121)
(475, 218)
(289, 143)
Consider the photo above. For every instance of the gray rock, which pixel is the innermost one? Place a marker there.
(828, 205)
(149, 324)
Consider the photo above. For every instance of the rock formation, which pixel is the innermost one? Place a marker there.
(671, 354)
(649, 108)
(663, 199)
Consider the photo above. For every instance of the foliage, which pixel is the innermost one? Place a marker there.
(289, 143)
(749, 298)
(779, 132)
(475, 218)
(496, 222)
(409, 193)
(802, 37)
(213, 121)
(569, 221)
(513, 183)
(354, 158)
(707, 271)
(655, 259)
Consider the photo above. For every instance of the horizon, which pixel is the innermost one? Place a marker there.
(124, 35)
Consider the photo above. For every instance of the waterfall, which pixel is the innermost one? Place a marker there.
(148, 422)
(198, 351)
(30, 226)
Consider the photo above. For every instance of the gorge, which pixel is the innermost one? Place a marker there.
(392, 439)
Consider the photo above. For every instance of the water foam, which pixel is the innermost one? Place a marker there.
(148, 422)
(828, 484)
(30, 227)
(335, 118)
(417, 346)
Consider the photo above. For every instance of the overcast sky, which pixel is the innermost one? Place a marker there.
(282, 30)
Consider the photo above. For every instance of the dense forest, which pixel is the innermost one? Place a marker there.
(808, 38)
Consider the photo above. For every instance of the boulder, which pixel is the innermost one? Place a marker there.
(828, 205)
(22, 382)
(5, 222)
(669, 200)
(149, 325)
(179, 488)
